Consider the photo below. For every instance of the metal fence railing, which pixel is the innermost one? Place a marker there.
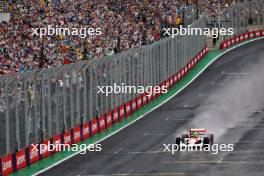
(39, 104)
(243, 15)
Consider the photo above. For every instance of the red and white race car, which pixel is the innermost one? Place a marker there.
(197, 137)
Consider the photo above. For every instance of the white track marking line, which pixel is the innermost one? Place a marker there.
(246, 151)
(251, 125)
(221, 160)
(176, 119)
(176, 93)
(233, 73)
(203, 95)
(154, 174)
(93, 175)
(119, 150)
(217, 84)
(188, 106)
(129, 172)
(253, 141)
(212, 161)
(256, 112)
(156, 134)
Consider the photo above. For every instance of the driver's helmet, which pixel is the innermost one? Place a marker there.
(194, 134)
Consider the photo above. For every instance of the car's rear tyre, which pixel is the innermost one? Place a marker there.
(211, 139)
(206, 142)
(184, 136)
(178, 141)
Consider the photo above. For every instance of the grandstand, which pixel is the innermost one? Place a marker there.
(124, 24)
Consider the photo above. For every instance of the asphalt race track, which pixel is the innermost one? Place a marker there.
(138, 149)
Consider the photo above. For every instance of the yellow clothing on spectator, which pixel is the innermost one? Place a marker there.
(178, 20)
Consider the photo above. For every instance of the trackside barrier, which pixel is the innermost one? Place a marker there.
(44, 152)
(128, 109)
(85, 131)
(76, 134)
(134, 105)
(115, 115)
(102, 122)
(139, 101)
(121, 112)
(240, 38)
(25, 157)
(20, 159)
(109, 119)
(57, 141)
(94, 126)
(149, 97)
(33, 155)
(144, 99)
(6, 165)
(67, 137)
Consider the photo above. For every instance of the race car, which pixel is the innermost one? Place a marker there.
(197, 137)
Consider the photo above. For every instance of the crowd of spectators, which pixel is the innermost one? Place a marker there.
(125, 24)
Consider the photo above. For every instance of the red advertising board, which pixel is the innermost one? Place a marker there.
(94, 126)
(246, 35)
(185, 70)
(167, 83)
(33, 153)
(102, 122)
(179, 75)
(195, 60)
(182, 72)
(201, 55)
(115, 115)
(237, 39)
(171, 81)
(7, 165)
(175, 78)
(128, 109)
(44, 149)
(149, 97)
(76, 134)
(188, 67)
(56, 141)
(109, 119)
(122, 112)
(192, 64)
(67, 137)
(139, 101)
(228, 43)
(144, 99)
(251, 35)
(21, 159)
(134, 104)
(86, 131)
(223, 45)
(257, 33)
(233, 41)
(241, 37)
